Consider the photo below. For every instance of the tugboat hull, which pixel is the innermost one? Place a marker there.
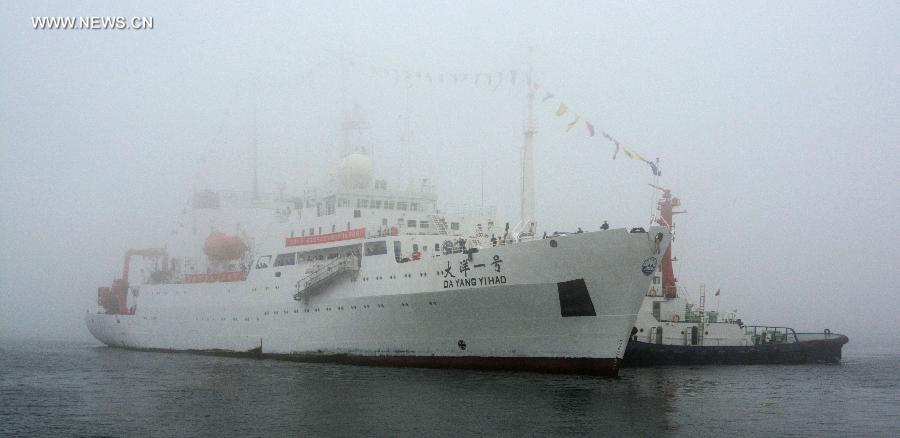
(643, 354)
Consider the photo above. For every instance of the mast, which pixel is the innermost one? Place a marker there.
(255, 147)
(666, 207)
(527, 207)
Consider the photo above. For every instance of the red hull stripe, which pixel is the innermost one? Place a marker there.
(357, 233)
(214, 278)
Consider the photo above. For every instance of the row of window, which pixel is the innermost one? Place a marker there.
(328, 208)
(317, 309)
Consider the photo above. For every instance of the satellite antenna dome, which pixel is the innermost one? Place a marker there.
(355, 171)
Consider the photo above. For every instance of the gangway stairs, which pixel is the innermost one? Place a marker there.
(440, 223)
(321, 275)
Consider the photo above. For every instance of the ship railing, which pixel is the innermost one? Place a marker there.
(319, 275)
(761, 334)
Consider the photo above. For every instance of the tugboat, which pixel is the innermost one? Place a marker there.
(671, 331)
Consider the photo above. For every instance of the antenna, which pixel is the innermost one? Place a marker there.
(527, 207)
(254, 145)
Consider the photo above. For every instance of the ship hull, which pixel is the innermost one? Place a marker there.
(548, 309)
(643, 354)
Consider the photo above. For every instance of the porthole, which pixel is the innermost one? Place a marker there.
(553, 243)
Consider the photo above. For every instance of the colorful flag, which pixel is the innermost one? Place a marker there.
(562, 109)
(590, 127)
(573, 122)
(653, 167)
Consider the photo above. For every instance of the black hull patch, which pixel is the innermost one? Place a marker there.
(574, 299)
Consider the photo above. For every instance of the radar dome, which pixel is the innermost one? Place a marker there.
(355, 171)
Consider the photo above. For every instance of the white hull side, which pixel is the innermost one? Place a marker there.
(409, 316)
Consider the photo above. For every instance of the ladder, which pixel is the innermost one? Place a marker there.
(440, 223)
(320, 275)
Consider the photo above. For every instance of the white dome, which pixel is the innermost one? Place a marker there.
(355, 171)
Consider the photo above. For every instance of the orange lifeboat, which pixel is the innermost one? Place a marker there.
(220, 246)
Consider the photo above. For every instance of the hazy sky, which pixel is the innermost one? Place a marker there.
(776, 124)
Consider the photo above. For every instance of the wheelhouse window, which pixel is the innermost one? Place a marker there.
(411, 224)
(285, 259)
(362, 203)
(376, 203)
(423, 224)
(414, 206)
(263, 262)
(454, 226)
(375, 248)
(388, 205)
(401, 206)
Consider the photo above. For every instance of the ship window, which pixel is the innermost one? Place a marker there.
(414, 206)
(357, 213)
(401, 206)
(332, 228)
(303, 232)
(348, 226)
(375, 248)
(377, 203)
(454, 226)
(362, 203)
(320, 230)
(312, 231)
(388, 205)
(437, 246)
(285, 259)
(411, 223)
(343, 202)
(263, 262)
(398, 251)
(423, 224)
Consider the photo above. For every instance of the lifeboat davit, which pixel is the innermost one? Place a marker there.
(220, 246)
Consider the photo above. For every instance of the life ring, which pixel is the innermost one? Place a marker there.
(827, 331)
(676, 318)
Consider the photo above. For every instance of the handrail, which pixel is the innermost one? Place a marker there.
(319, 274)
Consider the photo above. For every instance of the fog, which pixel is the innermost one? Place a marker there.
(776, 124)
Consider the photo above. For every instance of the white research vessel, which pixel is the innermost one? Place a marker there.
(357, 273)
